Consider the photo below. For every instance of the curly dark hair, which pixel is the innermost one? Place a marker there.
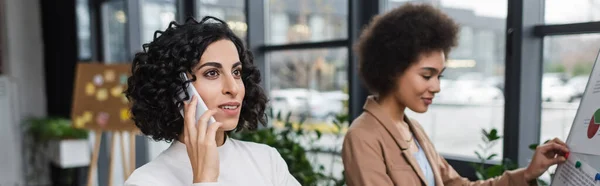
(395, 40)
(154, 85)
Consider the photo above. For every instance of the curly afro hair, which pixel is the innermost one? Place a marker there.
(395, 40)
(155, 84)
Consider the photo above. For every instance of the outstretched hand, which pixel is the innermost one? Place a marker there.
(551, 153)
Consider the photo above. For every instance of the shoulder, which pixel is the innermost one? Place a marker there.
(364, 127)
(156, 172)
(267, 156)
(256, 150)
(252, 146)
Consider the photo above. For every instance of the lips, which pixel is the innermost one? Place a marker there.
(428, 101)
(230, 108)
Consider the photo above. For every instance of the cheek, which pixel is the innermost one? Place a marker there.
(242, 90)
(411, 86)
(410, 89)
(208, 95)
(419, 84)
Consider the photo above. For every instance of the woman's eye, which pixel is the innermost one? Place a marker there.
(237, 73)
(427, 77)
(211, 73)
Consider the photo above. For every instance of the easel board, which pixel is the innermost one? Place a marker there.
(98, 99)
(100, 105)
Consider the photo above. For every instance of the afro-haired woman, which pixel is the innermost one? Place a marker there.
(221, 69)
(401, 59)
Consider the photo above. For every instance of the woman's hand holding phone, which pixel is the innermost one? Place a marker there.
(201, 144)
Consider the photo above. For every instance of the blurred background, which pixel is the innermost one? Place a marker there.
(520, 69)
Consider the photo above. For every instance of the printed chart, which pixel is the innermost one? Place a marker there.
(582, 167)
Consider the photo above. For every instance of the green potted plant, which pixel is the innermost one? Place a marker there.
(490, 139)
(58, 141)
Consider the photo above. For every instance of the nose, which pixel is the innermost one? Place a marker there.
(230, 86)
(435, 86)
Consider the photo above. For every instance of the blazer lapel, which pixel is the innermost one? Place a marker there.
(427, 149)
(372, 107)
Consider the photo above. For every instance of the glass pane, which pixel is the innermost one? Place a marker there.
(114, 19)
(312, 85)
(292, 21)
(231, 11)
(156, 15)
(83, 30)
(573, 11)
(568, 62)
(473, 81)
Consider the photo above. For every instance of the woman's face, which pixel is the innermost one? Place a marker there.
(417, 86)
(219, 82)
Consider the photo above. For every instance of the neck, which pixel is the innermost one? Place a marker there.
(392, 108)
(219, 138)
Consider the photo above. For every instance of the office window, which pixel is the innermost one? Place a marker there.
(573, 11)
(312, 84)
(308, 77)
(114, 20)
(568, 62)
(473, 81)
(155, 15)
(305, 21)
(231, 11)
(84, 35)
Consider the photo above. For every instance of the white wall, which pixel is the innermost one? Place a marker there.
(22, 56)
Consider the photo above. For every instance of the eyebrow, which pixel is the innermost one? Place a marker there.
(218, 65)
(236, 64)
(214, 64)
(433, 70)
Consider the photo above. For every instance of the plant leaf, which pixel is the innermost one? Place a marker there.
(494, 133)
(491, 156)
(494, 171)
(533, 146)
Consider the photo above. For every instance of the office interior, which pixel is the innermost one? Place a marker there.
(520, 65)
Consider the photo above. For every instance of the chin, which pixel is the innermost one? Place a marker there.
(420, 110)
(229, 125)
(228, 128)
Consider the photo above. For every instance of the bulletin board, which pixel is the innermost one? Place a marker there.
(99, 102)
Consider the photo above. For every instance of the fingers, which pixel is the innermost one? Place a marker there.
(203, 122)
(553, 146)
(190, 119)
(560, 159)
(560, 142)
(212, 131)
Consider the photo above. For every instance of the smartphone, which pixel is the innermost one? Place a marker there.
(201, 106)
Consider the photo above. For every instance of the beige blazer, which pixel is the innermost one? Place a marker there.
(375, 154)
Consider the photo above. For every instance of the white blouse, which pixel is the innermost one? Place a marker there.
(241, 163)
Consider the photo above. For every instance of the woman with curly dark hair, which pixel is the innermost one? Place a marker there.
(401, 59)
(221, 70)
